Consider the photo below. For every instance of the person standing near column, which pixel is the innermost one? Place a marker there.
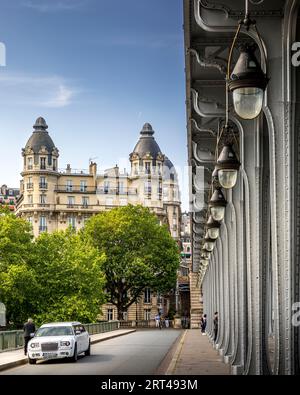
(216, 326)
(203, 322)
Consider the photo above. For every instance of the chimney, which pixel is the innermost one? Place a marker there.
(93, 168)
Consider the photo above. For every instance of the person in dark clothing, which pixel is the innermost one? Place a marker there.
(29, 329)
(203, 322)
(216, 325)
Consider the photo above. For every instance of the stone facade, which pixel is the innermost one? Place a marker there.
(53, 199)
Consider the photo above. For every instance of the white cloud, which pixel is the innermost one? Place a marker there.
(54, 5)
(45, 91)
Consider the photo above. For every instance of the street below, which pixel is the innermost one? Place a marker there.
(140, 352)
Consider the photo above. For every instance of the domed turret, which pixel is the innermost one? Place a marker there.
(147, 144)
(40, 138)
(40, 152)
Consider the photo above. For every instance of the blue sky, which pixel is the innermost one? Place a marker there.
(96, 70)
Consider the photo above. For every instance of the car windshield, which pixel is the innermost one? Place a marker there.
(55, 331)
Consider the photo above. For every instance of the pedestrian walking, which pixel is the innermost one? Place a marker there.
(203, 322)
(157, 320)
(216, 326)
(29, 330)
(167, 324)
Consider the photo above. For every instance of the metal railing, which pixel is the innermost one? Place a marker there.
(12, 340)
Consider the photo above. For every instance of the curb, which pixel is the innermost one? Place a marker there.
(24, 360)
(172, 366)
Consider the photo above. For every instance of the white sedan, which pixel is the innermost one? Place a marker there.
(59, 340)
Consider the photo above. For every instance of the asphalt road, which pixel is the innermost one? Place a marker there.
(137, 353)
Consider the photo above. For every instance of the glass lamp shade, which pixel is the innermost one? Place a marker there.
(209, 245)
(227, 178)
(248, 102)
(217, 212)
(213, 233)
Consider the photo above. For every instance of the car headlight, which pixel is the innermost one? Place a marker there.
(34, 345)
(65, 343)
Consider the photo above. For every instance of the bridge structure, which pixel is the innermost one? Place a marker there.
(249, 274)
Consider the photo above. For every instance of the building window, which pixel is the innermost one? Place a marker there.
(69, 186)
(85, 201)
(30, 199)
(147, 295)
(159, 169)
(29, 163)
(147, 167)
(121, 187)
(54, 164)
(135, 169)
(72, 222)
(147, 186)
(43, 183)
(42, 199)
(110, 314)
(29, 183)
(30, 220)
(83, 186)
(43, 224)
(188, 249)
(43, 163)
(71, 201)
(106, 186)
(147, 314)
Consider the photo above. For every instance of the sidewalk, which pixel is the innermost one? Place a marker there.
(195, 355)
(10, 359)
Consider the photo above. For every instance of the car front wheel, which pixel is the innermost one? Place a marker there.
(88, 351)
(75, 355)
(31, 361)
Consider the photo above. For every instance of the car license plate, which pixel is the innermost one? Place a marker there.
(49, 355)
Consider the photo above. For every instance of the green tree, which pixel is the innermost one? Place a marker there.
(18, 288)
(139, 253)
(69, 272)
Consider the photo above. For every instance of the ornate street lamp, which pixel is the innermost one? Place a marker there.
(247, 83)
(247, 80)
(217, 205)
(212, 227)
(228, 166)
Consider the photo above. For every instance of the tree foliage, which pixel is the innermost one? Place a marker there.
(17, 278)
(56, 277)
(69, 270)
(139, 253)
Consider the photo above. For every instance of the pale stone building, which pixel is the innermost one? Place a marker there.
(52, 199)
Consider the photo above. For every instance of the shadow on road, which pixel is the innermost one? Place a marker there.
(81, 358)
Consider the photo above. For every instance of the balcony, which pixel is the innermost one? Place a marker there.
(117, 191)
(29, 185)
(43, 185)
(75, 188)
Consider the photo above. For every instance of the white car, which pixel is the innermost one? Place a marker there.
(59, 340)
